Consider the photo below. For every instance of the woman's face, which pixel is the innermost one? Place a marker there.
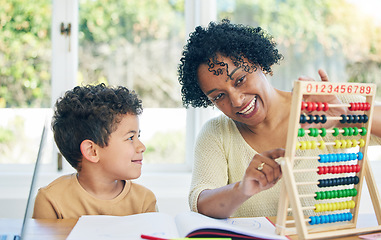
(243, 96)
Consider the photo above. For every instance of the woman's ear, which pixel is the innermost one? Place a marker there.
(89, 150)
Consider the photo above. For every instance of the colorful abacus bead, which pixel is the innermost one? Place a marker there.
(330, 218)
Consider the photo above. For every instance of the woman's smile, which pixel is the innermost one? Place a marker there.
(250, 109)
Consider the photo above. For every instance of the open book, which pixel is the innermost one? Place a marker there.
(161, 225)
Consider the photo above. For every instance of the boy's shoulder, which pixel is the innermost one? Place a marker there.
(61, 182)
(136, 188)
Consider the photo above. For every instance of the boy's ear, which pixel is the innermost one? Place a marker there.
(89, 150)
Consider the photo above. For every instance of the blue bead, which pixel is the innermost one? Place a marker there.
(360, 155)
(312, 220)
(334, 217)
(330, 218)
(350, 216)
(318, 219)
(322, 158)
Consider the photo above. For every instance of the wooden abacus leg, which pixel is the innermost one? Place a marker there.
(373, 191)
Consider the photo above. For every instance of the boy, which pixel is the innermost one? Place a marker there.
(96, 128)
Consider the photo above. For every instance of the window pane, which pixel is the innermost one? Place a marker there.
(342, 37)
(138, 44)
(25, 56)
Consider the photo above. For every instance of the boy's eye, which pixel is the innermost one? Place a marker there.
(131, 138)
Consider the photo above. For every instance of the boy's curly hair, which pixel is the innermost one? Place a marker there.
(230, 40)
(90, 112)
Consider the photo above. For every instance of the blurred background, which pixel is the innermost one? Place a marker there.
(47, 47)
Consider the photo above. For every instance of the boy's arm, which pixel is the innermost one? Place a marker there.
(43, 207)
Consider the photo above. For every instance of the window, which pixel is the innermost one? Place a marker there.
(138, 44)
(341, 37)
(25, 58)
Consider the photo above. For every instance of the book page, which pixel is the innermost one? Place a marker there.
(259, 227)
(102, 227)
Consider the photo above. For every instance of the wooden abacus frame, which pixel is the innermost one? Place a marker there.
(289, 192)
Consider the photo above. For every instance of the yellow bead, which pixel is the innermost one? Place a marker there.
(354, 143)
(362, 142)
(349, 143)
(313, 144)
(342, 206)
(329, 207)
(337, 144)
(352, 204)
(303, 145)
(326, 207)
(343, 143)
(317, 208)
(308, 144)
(322, 145)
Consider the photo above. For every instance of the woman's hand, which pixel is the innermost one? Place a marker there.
(330, 99)
(262, 173)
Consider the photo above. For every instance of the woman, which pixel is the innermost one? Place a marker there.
(225, 65)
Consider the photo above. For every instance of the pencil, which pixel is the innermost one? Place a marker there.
(158, 238)
(152, 237)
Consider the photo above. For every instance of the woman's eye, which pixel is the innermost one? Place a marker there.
(218, 97)
(131, 138)
(240, 80)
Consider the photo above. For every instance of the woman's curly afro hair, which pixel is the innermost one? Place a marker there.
(229, 40)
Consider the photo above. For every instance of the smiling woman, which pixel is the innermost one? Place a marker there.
(235, 169)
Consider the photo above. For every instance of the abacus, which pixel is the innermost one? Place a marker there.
(347, 159)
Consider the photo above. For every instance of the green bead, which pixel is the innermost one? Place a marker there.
(340, 194)
(355, 131)
(329, 195)
(301, 132)
(323, 195)
(363, 132)
(336, 133)
(323, 132)
(350, 131)
(345, 133)
(318, 195)
(312, 132)
(354, 192)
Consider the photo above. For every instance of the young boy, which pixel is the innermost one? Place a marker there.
(96, 128)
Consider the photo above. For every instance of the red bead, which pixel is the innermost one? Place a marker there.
(319, 106)
(352, 106)
(325, 108)
(320, 170)
(367, 106)
(357, 106)
(360, 106)
(339, 169)
(311, 106)
(358, 168)
(303, 105)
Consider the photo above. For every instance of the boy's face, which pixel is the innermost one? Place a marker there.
(122, 158)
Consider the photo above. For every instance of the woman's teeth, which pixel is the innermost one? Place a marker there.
(249, 108)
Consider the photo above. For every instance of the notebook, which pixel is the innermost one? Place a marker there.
(29, 203)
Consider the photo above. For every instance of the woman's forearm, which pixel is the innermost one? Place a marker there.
(221, 202)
